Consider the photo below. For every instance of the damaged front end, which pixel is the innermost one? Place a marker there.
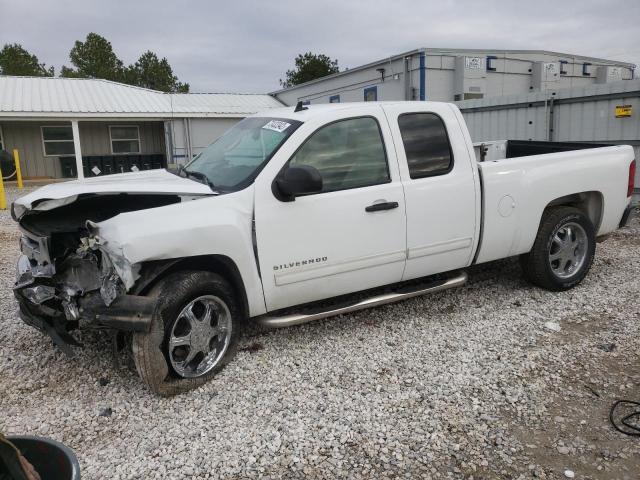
(69, 276)
(84, 289)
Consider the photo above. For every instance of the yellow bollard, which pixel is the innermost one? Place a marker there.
(3, 198)
(16, 159)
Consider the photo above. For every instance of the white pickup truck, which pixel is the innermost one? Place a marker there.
(300, 214)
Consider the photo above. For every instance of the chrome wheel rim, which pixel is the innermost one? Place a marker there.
(568, 250)
(200, 336)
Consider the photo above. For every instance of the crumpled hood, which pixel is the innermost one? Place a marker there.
(149, 181)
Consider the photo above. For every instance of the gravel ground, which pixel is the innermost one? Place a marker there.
(494, 380)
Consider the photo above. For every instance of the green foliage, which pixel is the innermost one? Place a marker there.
(94, 58)
(15, 60)
(310, 66)
(151, 72)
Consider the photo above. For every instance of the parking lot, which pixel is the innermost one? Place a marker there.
(495, 380)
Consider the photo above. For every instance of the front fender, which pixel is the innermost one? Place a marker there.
(220, 225)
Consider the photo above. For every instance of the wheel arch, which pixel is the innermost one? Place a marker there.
(152, 272)
(591, 203)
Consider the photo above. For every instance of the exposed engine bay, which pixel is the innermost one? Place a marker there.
(69, 275)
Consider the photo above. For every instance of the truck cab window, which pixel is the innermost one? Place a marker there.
(426, 144)
(347, 153)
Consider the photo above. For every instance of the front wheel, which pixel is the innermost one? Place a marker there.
(194, 332)
(563, 250)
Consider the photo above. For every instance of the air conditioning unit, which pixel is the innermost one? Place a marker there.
(470, 78)
(545, 75)
(609, 73)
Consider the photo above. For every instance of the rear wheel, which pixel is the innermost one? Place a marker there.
(563, 250)
(194, 332)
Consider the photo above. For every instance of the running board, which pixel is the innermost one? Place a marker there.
(291, 319)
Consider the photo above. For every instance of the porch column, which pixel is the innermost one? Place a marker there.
(76, 147)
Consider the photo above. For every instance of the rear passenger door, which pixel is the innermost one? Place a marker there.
(441, 188)
(348, 237)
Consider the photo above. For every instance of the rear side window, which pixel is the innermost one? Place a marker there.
(426, 144)
(347, 153)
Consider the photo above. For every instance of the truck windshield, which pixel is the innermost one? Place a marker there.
(235, 159)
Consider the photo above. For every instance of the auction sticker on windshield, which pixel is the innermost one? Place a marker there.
(277, 126)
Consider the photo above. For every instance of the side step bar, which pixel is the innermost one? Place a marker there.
(291, 319)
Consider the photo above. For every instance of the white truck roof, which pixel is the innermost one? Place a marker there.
(311, 111)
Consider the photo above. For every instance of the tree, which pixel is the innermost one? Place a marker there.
(150, 72)
(15, 60)
(309, 67)
(94, 58)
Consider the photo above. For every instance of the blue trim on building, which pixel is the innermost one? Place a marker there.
(490, 66)
(423, 77)
(334, 99)
(563, 64)
(373, 89)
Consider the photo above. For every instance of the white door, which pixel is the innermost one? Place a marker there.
(441, 187)
(337, 241)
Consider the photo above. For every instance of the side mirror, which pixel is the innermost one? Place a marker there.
(297, 180)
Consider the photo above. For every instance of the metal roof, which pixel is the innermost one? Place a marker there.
(95, 98)
(453, 52)
(215, 103)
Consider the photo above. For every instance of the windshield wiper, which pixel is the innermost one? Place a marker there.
(196, 175)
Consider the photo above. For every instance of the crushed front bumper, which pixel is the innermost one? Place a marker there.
(45, 304)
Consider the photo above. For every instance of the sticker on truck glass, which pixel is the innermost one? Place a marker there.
(277, 126)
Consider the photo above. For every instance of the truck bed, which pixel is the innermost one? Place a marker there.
(501, 149)
(517, 190)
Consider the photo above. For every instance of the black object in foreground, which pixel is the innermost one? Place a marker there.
(51, 459)
(623, 424)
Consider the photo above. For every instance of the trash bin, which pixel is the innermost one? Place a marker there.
(51, 459)
(145, 161)
(157, 161)
(68, 167)
(108, 165)
(134, 161)
(7, 165)
(95, 166)
(120, 164)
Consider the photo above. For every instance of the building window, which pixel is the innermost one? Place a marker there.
(426, 144)
(563, 67)
(334, 99)
(491, 65)
(306, 102)
(371, 94)
(586, 69)
(348, 154)
(1, 139)
(57, 140)
(124, 139)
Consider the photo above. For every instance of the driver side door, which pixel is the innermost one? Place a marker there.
(350, 236)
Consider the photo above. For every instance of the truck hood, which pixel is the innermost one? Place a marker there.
(150, 181)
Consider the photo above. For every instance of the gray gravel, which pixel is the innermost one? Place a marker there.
(466, 383)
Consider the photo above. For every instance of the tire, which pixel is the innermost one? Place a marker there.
(564, 233)
(184, 301)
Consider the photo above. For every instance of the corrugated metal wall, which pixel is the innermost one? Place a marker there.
(584, 114)
(190, 136)
(94, 139)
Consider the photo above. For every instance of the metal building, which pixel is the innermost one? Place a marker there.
(63, 127)
(600, 113)
(458, 74)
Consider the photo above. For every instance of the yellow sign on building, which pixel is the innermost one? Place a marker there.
(623, 111)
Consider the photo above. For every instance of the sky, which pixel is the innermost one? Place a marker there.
(247, 46)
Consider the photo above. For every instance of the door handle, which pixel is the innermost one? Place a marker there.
(377, 207)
